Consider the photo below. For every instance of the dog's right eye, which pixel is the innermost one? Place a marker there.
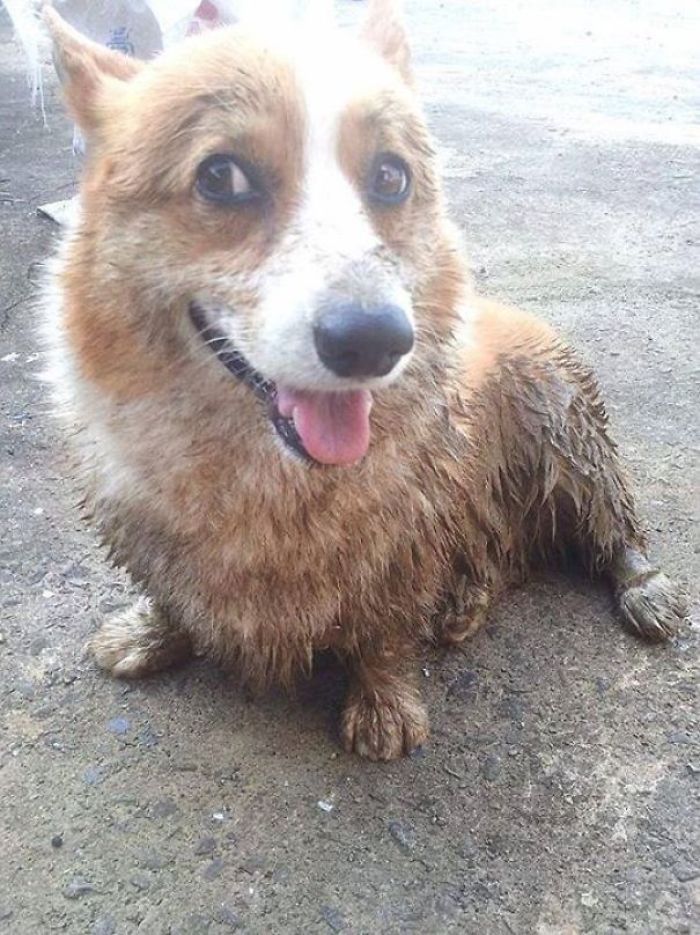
(222, 179)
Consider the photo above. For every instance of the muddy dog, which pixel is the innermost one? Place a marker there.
(299, 427)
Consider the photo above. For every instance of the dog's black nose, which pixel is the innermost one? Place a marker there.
(362, 342)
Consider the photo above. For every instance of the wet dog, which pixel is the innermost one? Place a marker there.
(299, 427)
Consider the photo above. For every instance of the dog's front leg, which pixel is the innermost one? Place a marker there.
(140, 640)
(384, 717)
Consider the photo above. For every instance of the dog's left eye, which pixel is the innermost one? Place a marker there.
(390, 180)
(221, 179)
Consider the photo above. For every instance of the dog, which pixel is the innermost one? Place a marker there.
(298, 427)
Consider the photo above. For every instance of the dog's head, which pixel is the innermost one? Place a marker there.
(274, 201)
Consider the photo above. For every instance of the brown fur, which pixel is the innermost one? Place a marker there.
(484, 459)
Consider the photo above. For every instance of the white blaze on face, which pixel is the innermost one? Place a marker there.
(330, 248)
(328, 255)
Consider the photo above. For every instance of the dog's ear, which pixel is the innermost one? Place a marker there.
(384, 29)
(90, 72)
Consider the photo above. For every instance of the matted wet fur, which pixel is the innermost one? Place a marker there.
(489, 448)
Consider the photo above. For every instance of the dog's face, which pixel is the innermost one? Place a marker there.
(271, 204)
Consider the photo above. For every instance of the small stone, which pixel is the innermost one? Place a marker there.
(57, 841)
(332, 918)
(205, 846)
(403, 833)
(325, 806)
(77, 888)
(226, 916)
(118, 725)
(491, 767)
(104, 925)
(213, 869)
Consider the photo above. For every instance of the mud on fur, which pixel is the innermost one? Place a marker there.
(298, 426)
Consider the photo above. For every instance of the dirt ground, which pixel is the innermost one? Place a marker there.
(559, 792)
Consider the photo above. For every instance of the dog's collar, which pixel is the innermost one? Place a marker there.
(230, 357)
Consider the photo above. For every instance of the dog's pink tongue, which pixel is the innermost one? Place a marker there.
(334, 427)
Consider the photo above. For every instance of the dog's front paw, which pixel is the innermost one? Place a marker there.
(138, 641)
(384, 726)
(653, 606)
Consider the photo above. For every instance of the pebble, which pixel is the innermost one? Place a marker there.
(325, 806)
(205, 846)
(403, 833)
(332, 918)
(213, 869)
(57, 841)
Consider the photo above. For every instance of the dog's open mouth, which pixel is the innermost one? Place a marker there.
(323, 427)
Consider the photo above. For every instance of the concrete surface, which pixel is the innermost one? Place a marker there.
(559, 791)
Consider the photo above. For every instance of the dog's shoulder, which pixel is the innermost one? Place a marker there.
(502, 333)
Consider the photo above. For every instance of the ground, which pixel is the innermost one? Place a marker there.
(559, 791)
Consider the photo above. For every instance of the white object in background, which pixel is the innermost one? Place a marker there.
(63, 213)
